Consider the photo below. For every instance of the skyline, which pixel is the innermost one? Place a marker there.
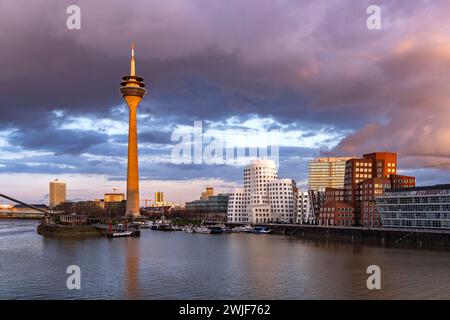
(331, 88)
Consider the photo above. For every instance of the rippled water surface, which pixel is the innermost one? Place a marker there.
(178, 265)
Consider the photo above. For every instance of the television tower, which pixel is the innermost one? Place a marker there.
(133, 90)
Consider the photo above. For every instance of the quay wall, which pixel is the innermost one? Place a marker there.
(377, 236)
(67, 231)
(410, 238)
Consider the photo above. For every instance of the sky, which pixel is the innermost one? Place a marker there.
(310, 70)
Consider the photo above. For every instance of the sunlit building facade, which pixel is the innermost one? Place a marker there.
(326, 173)
(57, 193)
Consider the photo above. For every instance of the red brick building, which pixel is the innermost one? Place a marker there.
(401, 182)
(366, 178)
(334, 194)
(337, 213)
(369, 190)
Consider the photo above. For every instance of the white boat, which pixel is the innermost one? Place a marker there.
(242, 229)
(202, 230)
(117, 234)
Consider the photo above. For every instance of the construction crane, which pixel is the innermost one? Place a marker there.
(146, 200)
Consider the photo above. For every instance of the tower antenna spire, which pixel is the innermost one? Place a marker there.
(133, 63)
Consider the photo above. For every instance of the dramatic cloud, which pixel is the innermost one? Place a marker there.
(311, 69)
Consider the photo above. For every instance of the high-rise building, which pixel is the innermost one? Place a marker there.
(159, 197)
(209, 192)
(133, 90)
(57, 193)
(326, 173)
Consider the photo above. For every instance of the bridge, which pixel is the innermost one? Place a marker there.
(45, 212)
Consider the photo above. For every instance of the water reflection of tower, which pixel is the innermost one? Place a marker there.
(133, 90)
(132, 270)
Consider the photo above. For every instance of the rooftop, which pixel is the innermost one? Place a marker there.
(434, 187)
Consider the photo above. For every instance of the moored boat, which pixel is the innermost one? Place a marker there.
(261, 230)
(163, 227)
(247, 228)
(126, 233)
(216, 229)
(205, 230)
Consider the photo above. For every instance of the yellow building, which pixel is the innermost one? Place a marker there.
(114, 197)
(159, 197)
(57, 193)
(327, 172)
(209, 192)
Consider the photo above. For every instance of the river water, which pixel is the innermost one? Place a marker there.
(178, 265)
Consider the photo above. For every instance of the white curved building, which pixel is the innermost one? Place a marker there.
(237, 206)
(264, 198)
(283, 200)
(257, 176)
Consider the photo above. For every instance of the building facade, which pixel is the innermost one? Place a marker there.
(304, 208)
(214, 204)
(282, 200)
(265, 198)
(337, 213)
(425, 207)
(209, 192)
(57, 193)
(365, 179)
(360, 186)
(237, 206)
(326, 173)
(401, 182)
(369, 190)
(159, 197)
(257, 176)
(114, 197)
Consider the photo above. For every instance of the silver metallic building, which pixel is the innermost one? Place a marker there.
(420, 207)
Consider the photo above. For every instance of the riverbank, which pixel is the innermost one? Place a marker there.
(21, 216)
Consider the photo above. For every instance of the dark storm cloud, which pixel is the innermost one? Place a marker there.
(157, 137)
(307, 64)
(59, 141)
(195, 56)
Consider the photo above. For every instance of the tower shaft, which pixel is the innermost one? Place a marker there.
(132, 207)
